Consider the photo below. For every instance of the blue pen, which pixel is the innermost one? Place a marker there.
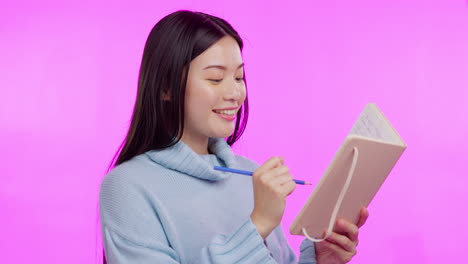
(249, 173)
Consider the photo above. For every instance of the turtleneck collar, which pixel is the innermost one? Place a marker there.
(180, 157)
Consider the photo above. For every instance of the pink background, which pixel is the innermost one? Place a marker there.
(68, 80)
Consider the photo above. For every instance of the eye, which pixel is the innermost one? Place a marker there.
(240, 79)
(215, 80)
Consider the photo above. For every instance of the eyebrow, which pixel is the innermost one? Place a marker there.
(221, 67)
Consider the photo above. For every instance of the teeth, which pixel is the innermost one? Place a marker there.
(226, 112)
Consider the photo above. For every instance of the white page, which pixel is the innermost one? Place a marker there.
(372, 124)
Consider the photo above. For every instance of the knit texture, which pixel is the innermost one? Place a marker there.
(171, 206)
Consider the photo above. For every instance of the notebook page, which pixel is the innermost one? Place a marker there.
(372, 124)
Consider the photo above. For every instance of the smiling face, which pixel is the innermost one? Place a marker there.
(215, 91)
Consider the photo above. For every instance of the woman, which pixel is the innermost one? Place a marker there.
(163, 202)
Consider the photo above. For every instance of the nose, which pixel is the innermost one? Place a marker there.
(234, 91)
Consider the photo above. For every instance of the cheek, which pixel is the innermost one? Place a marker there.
(200, 99)
(243, 94)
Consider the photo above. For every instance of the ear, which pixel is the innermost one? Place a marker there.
(167, 95)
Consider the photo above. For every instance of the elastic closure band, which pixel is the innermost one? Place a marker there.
(338, 202)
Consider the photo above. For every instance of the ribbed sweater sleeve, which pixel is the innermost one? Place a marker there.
(134, 232)
(245, 245)
(307, 250)
(242, 246)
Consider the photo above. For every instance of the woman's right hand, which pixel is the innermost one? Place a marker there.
(271, 183)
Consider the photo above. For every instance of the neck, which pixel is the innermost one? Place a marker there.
(198, 144)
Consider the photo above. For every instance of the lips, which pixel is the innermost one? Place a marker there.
(226, 111)
(228, 114)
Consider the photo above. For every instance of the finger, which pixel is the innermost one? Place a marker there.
(364, 214)
(342, 254)
(272, 176)
(268, 165)
(289, 187)
(284, 184)
(347, 228)
(281, 180)
(278, 171)
(343, 241)
(281, 160)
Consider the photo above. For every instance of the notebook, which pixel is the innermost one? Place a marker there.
(375, 148)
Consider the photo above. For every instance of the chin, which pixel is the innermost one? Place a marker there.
(223, 134)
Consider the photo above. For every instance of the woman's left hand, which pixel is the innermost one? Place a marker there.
(340, 246)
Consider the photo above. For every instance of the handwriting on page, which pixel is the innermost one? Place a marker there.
(372, 124)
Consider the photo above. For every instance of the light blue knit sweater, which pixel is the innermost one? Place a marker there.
(170, 206)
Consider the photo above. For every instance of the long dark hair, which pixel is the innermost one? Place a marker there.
(172, 44)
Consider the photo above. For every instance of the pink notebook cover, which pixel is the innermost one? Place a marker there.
(379, 147)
